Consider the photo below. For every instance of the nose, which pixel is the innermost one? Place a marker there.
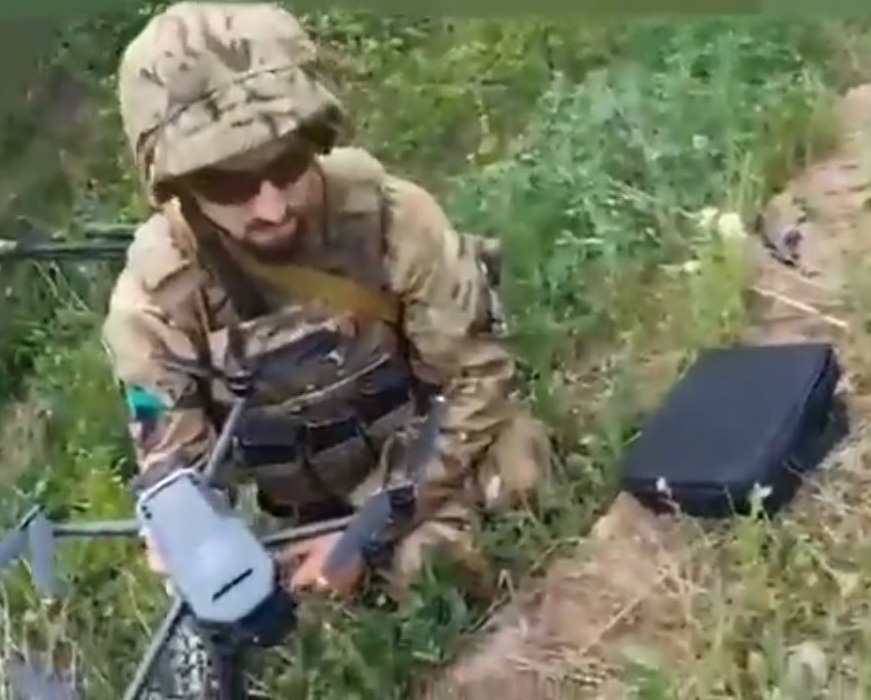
(269, 204)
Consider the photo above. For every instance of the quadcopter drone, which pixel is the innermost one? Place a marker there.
(221, 575)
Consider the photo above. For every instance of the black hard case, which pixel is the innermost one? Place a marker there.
(738, 417)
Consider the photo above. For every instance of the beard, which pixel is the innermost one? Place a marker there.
(275, 244)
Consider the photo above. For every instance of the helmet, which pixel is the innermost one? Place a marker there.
(206, 81)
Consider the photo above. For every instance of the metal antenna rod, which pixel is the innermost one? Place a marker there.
(222, 445)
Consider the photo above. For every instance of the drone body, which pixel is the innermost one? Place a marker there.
(213, 559)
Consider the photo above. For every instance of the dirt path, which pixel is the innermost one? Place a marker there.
(625, 593)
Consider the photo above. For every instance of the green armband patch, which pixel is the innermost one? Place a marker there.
(144, 405)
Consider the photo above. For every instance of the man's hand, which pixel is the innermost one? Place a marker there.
(309, 558)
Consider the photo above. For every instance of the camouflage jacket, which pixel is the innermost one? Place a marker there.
(335, 385)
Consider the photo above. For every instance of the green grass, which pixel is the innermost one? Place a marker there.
(593, 176)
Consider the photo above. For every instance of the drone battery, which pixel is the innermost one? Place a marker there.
(212, 558)
(739, 418)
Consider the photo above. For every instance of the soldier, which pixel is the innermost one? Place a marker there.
(349, 286)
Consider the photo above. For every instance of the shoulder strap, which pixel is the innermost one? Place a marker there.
(338, 292)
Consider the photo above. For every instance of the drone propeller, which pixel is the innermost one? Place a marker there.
(34, 535)
(37, 679)
(12, 544)
(41, 538)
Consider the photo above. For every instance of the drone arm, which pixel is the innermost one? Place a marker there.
(387, 515)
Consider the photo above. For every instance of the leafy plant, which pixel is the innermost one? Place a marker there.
(588, 148)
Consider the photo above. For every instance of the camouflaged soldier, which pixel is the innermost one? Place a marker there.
(353, 293)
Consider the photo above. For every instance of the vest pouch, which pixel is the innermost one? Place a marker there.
(295, 461)
(385, 400)
(271, 436)
(263, 439)
(326, 450)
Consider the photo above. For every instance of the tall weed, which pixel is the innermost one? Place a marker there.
(596, 195)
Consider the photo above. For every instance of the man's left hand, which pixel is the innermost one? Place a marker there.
(309, 558)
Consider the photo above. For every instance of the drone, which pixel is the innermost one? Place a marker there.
(221, 574)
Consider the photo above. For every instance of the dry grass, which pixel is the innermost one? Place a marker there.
(22, 438)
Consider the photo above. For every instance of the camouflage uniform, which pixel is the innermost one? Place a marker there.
(204, 82)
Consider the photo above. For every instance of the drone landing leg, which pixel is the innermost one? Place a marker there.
(167, 627)
(228, 664)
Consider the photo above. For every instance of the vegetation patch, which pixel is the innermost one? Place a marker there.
(591, 151)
